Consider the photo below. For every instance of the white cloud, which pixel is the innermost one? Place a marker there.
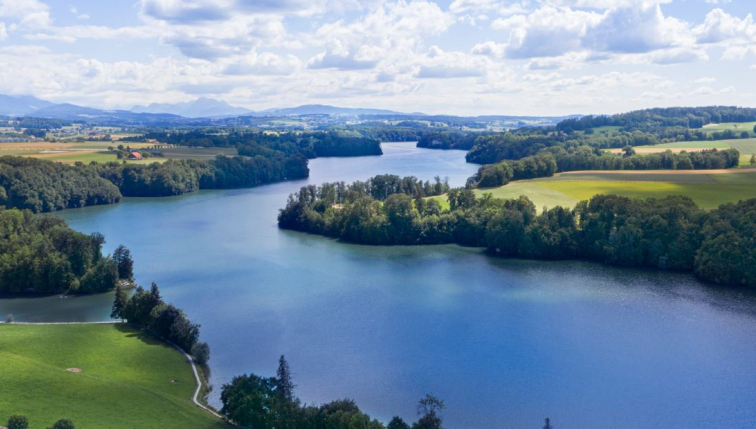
(438, 64)
(3, 32)
(627, 27)
(719, 26)
(28, 14)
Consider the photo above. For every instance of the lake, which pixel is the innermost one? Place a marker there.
(505, 343)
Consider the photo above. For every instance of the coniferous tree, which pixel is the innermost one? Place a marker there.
(18, 422)
(118, 303)
(284, 384)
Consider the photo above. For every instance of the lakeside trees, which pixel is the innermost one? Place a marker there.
(669, 233)
(42, 186)
(259, 402)
(43, 255)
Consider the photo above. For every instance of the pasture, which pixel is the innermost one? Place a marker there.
(709, 189)
(733, 126)
(127, 378)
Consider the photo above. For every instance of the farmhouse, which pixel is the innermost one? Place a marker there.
(135, 155)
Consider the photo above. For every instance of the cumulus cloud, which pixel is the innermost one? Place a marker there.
(719, 26)
(266, 63)
(3, 32)
(447, 65)
(27, 14)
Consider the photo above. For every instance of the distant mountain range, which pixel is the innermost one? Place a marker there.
(199, 108)
(202, 111)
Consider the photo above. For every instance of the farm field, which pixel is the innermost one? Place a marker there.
(128, 378)
(709, 190)
(197, 153)
(733, 126)
(87, 152)
(745, 146)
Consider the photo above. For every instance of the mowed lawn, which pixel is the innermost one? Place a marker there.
(128, 378)
(709, 191)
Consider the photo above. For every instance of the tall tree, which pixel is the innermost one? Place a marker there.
(122, 257)
(428, 409)
(284, 385)
(118, 303)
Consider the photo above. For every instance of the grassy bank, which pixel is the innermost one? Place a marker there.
(128, 378)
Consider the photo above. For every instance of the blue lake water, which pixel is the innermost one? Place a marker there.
(505, 343)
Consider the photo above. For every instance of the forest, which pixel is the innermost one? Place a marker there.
(42, 255)
(669, 233)
(311, 144)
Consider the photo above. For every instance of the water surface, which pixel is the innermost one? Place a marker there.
(504, 342)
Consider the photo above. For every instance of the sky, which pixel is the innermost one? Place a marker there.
(463, 57)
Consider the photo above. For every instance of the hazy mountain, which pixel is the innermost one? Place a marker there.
(320, 109)
(21, 105)
(199, 108)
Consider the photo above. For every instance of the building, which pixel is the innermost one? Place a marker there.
(135, 156)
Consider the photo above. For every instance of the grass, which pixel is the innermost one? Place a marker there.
(126, 378)
(734, 126)
(707, 196)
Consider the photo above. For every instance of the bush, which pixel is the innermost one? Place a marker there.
(18, 422)
(63, 424)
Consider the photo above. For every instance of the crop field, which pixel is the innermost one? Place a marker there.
(99, 376)
(197, 153)
(734, 126)
(709, 189)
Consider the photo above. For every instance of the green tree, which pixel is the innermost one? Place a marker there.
(548, 424)
(63, 424)
(118, 303)
(122, 257)
(397, 423)
(18, 422)
(753, 160)
(201, 353)
(428, 409)
(9, 318)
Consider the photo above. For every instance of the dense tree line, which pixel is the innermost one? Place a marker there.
(401, 132)
(448, 140)
(41, 186)
(41, 254)
(559, 159)
(146, 308)
(308, 144)
(252, 401)
(669, 233)
(176, 177)
(652, 119)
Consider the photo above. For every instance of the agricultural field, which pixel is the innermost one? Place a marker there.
(87, 152)
(745, 146)
(98, 376)
(197, 153)
(708, 189)
(733, 126)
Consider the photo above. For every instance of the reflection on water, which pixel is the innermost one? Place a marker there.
(504, 342)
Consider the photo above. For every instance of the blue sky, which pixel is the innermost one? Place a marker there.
(527, 57)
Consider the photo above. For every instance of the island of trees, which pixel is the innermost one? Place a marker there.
(671, 233)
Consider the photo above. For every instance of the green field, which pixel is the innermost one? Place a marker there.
(128, 378)
(745, 146)
(708, 190)
(734, 126)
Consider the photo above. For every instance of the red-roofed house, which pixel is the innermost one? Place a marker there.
(135, 155)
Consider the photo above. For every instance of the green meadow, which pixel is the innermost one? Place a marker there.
(128, 379)
(709, 191)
